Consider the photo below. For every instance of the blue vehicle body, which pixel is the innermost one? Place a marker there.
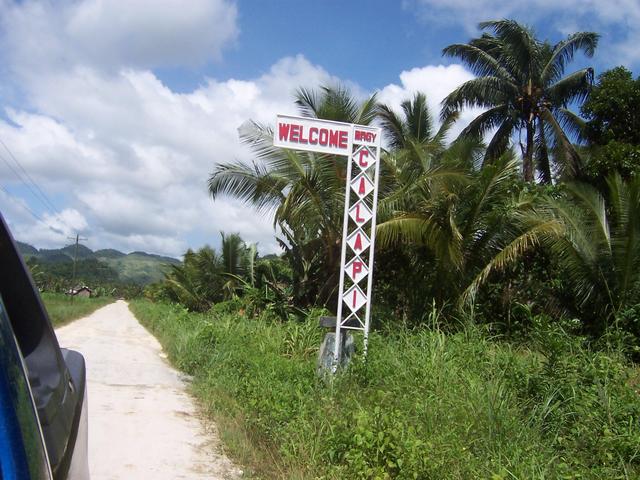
(23, 454)
(42, 387)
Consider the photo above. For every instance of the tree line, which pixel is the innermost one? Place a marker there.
(531, 210)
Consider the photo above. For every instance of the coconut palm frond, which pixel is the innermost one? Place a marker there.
(564, 51)
(512, 252)
(521, 99)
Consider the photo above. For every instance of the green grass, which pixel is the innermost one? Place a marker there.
(63, 310)
(425, 405)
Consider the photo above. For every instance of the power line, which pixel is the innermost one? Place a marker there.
(35, 190)
(19, 177)
(33, 214)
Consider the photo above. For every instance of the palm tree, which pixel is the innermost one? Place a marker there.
(195, 283)
(418, 156)
(521, 86)
(595, 240)
(414, 129)
(418, 168)
(205, 277)
(303, 190)
(434, 197)
(237, 263)
(600, 246)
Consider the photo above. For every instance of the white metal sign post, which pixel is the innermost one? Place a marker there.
(361, 144)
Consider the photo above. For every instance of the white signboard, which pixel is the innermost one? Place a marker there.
(362, 145)
(313, 135)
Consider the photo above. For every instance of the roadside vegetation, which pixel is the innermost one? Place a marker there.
(62, 309)
(507, 283)
(426, 404)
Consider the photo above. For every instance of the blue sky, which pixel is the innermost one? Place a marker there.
(119, 114)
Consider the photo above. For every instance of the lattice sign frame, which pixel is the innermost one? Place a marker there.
(362, 145)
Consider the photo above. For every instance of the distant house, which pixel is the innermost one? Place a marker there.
(82, 291)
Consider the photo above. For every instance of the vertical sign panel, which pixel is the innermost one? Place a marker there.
(362, 145)
(358, 235)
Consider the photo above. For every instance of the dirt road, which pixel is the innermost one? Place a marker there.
(142, 423)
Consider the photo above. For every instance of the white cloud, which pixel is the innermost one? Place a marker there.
(617, 20)
(134, 157)
(107, 34)
(49, 229)
(436, 82)
(125, 158)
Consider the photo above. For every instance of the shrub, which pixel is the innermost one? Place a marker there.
(424, 403)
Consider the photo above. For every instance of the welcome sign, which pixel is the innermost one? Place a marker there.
(361, 144)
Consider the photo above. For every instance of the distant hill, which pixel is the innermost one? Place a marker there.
(140, 267)
(109, 264)
(83, 252)
(157, 257)
(26, 249)
(109, 253)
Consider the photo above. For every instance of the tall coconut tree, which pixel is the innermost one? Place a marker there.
(304, 191)
(522, 88)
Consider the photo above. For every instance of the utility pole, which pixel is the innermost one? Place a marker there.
(75, 259)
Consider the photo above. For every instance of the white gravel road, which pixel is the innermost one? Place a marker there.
(142, 423)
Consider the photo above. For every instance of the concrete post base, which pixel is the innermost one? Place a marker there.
(325, 355)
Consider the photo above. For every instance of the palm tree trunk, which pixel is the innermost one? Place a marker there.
(527, 161)
(543, 155)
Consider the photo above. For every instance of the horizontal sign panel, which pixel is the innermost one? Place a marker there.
(313, 135)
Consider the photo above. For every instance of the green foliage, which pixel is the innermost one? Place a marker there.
(206, 278)
(62, 309)
(613, 108)
(424, 404)
(624, 335)
(441, 219)
(521, 87)
(597, 246)
(89, 271)
(304, 191)
(613, 129)
(613, 157)
(591, 243)
(104, 281)
(468, 225)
